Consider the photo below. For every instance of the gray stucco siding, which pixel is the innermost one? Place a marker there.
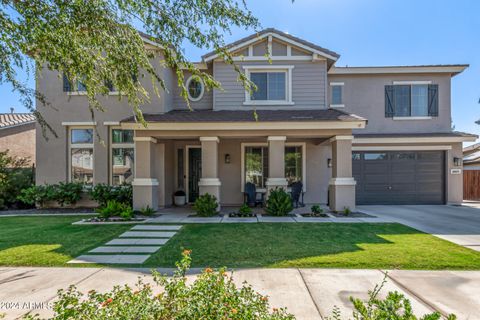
(364, 95)
(308, 85)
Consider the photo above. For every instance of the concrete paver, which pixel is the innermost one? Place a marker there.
(447, 291)
(147, 234)
(112, 259)
(126, 249)
(307, 293)
(157, 227)
(133, 241)
(334, 287)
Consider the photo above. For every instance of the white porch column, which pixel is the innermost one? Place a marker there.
(145, 186)
(276, 163)
(342, 184)
(209, 182)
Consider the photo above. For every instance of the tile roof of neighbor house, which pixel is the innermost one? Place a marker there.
(8, 120)
(283, 34)
(248, 115)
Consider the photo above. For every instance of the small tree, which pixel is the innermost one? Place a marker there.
(15, 175)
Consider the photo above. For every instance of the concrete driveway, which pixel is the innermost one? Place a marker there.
(458, 224)
(309, 294)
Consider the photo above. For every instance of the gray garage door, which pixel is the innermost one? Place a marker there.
(399, 177)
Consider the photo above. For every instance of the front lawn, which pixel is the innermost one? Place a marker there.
(49, 240)
(322, 245)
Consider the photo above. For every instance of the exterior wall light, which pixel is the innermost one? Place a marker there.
(457, 162)
(329, 162)
(227, 158)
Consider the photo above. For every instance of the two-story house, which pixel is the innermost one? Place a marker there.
(351, 135)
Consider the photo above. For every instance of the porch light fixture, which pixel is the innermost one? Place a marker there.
(457, 161)
(329, 162)
(227, 158)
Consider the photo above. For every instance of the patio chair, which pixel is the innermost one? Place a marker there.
(297, 191)
(250, 195)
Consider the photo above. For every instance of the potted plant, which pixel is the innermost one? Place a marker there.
(179, 198)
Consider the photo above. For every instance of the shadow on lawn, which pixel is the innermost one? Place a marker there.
(269, 245)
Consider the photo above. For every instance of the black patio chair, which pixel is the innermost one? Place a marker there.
(296, 191)
(250, 195)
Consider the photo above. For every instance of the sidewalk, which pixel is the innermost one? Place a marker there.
(307, 293)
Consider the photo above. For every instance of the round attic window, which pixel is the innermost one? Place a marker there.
(195, 88)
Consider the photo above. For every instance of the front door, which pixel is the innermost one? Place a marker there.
(194, 172)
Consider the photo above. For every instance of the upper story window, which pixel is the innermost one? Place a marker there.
(274, 85)
(411, 100)
(81, 155)
(73, 86)
(195, 88)
(336, 94)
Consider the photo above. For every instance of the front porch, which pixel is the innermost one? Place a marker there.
(220, 157)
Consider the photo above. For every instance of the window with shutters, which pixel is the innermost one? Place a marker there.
(411, 100)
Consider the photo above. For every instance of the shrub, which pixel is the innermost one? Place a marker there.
(102, 193)
(67, 193)
(244, 210)
(347, 211)
(213, 295)
(279, 203)
(394, 306)
(316, 209)
(147, 211)
(115, 208)
(63, 193)
(206, 205)
(14, 176)
(36, 195)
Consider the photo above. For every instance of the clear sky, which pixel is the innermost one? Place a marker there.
(375, 32)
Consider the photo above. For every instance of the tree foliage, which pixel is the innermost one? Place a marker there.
(95, 41)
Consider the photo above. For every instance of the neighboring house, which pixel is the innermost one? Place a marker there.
(351, 135)
(17, 134)
(471, 176)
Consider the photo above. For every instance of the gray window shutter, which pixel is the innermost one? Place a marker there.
(389, 102)
(433, 100)
(66, 84)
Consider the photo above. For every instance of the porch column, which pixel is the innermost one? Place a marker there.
(145, 186)
(342, 184)
(276, 163)
(209, 182)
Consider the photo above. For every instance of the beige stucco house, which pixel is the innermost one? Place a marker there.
(351, 135)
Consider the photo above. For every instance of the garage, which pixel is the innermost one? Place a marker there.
(399, 177)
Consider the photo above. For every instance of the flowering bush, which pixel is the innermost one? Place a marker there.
(213, 295)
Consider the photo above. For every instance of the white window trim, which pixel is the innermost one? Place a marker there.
(118, 146)
(269, 68)
(337, 106)
(263, 144)
(337, 84)
(411, 82)
(413, 118)
(79, 146)
(77, 93)
(187, 83)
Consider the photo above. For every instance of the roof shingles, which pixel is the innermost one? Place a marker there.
(14, 119)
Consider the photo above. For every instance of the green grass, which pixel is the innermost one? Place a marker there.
(49, 241)
(52, 241)
(326, 245)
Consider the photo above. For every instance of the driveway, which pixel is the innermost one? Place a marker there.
(309, 294)
(458, 224)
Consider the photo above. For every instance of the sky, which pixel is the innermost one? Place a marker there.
(369, 33)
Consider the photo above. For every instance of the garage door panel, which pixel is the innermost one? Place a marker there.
(400, 177)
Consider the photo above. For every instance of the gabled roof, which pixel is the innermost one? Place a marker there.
(279, 35)
(8, 120)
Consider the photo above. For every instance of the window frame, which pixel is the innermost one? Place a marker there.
(118, 146)
(79, 146)
(337, 105)
(244, 145)
(187, 84)
(268, 69)
(411, 84)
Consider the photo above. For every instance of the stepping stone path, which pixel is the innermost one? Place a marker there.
(132, 247)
